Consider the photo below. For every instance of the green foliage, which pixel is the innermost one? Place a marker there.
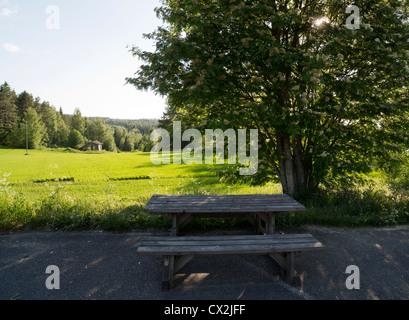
(35, 127)
(77, 122)
(8, 111)
(24, 102)
(352, 207)
(75, 139)
(398, 173)
(32, 125)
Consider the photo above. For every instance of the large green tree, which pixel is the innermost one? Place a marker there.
(75, 139)
(24, 101)
(35, 128)
(77, 122)
(49, 117)
(30, 127)
(8, 111)
(62, 131)
(327, 99)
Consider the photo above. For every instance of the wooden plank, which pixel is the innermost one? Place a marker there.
(248, 206)
(226, 203)
(247, 197)
(227, 196)
(163, 243)
(215, 200)
(228, 249)
(223, 206)
(224, 243)
(243, 210)
(222, 201)
(229, 237)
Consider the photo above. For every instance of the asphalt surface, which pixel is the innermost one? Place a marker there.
(105, 266)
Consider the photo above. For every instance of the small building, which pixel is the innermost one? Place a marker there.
(94, 145)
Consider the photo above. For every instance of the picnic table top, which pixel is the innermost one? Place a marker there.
(249, 203)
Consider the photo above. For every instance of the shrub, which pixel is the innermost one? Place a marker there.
(352, 208)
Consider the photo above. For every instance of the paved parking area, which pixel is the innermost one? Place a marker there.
(104, 266)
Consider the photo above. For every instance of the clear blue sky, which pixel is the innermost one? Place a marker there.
(83, 63)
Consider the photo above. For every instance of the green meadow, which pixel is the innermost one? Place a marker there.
(127, 177)
(46, 185)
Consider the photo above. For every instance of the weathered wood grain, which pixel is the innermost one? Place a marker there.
(264, 203)
(227, 245)
(177, 251)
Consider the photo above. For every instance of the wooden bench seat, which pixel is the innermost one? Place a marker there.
(177, 251)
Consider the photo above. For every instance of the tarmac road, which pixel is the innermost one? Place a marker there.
(104, 266)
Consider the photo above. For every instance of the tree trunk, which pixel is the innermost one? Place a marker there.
(293, 175)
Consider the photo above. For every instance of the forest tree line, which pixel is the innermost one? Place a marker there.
(48, 128)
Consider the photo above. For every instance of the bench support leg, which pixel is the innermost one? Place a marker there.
(181, 261)
(174, 230)
(286, 262)
(289, 272)
(168, 272)
(171, 265)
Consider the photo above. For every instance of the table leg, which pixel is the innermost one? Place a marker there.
(174, 230)
(178, 222)
(270, 224)
(258, 225)
(168, 273)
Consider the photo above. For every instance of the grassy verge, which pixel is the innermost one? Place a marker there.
(353, 208)
(61, 212)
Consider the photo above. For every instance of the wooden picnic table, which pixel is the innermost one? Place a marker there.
(258, 209)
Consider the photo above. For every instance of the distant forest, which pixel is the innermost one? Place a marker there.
(48, 128)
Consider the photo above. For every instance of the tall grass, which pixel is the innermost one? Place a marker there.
(354, 207)
(61, 212)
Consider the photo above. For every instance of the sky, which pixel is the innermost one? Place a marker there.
(75, 54)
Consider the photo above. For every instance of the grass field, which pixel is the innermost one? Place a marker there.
(124, 176)
(65, 190)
